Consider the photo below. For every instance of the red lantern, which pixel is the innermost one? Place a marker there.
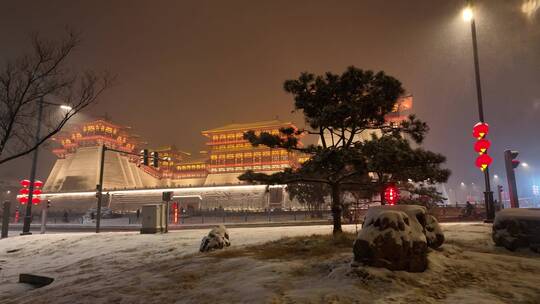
(24, 191)
(25, 183)
(483, 161)
(35, 200)
(37, 192)
(391, 194)
(482, 145)
(38, 184)
(480, 130)
(23, 199)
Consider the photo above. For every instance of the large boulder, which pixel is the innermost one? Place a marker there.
(517, 227)
(217, 238)
(397, 238)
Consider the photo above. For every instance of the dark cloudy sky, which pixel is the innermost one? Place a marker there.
(185, 66)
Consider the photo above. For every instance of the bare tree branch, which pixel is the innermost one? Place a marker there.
(42, 74)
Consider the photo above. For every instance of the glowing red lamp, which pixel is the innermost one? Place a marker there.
(483, 161)
(25, 183)
(38, 184)
(35, 200)
(23, 199)
(482, 145)
(391, 194)
(24, 191)
(480, 130)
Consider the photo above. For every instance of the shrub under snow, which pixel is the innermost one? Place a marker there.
(397, 237)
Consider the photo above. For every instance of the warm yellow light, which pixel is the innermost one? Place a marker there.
(66, 107)
(468, 14)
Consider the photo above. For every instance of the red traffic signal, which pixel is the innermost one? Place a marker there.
(483, 161)
(391, 194)
(480, 130)
(482, 145)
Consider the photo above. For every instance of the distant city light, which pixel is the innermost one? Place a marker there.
(495, 176)
(468, 14)
(524, 165)
(536, 190)
(462, 184)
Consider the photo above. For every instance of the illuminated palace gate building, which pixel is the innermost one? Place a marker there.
(204, 181)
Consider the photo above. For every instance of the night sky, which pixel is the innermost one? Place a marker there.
(186, 66)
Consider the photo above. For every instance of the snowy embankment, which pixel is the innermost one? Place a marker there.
(134, 268)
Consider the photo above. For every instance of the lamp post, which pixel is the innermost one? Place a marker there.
(28, 213)
(468, 15)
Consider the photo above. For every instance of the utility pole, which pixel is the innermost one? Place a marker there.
(99, 186)
(5, 219)
(28, 214)
(488, 194)
(44, 210)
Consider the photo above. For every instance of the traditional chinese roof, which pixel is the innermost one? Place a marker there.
(248, 126)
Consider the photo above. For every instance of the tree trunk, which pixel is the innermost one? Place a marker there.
(336, 208)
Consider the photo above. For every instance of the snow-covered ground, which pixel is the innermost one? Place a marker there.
(133, 268)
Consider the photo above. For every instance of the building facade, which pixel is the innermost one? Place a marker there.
(228, 156)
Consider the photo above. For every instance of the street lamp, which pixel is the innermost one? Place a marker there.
(525, 165)
(28, 213)
(468, 16)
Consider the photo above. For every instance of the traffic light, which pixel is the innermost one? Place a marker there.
(155, 159)
(391, 194)
(481, 146)
(143, 158)
(510, 159)
(510, 162)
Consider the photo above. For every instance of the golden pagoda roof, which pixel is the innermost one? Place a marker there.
(248, 126)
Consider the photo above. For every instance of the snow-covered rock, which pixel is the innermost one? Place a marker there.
(517, 227)
(397, 237)
(433, 231)
(217, 238)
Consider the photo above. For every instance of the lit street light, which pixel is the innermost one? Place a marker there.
(525, 165)
(28, 213)
(468, 16)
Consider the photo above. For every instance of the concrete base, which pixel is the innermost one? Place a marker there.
(151, 230)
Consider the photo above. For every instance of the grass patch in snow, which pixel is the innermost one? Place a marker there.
(291, 248)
